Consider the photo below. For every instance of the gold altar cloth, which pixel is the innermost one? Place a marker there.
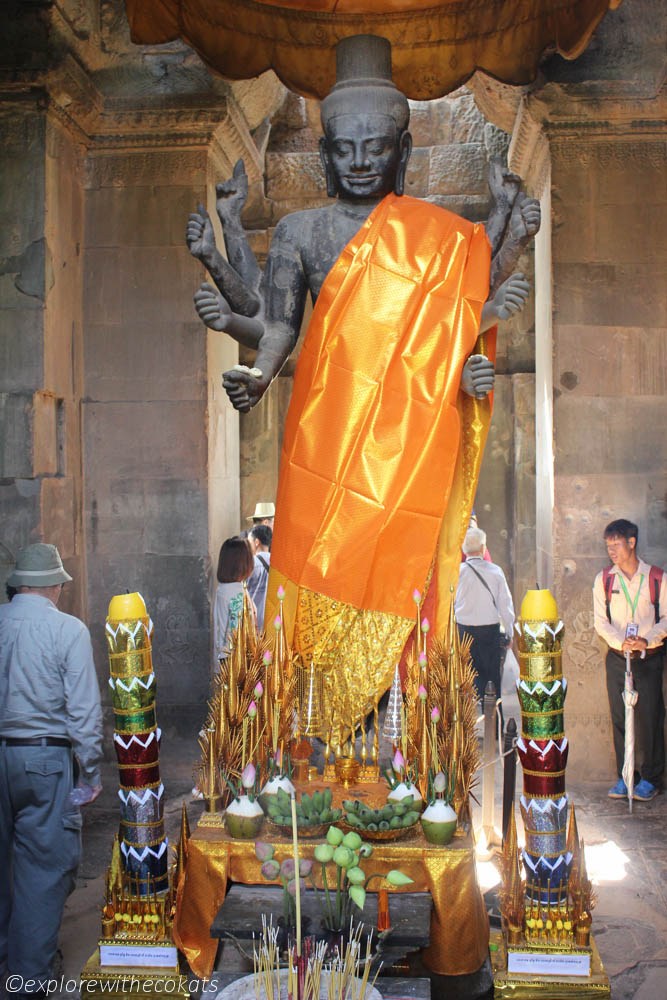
(459, 924)
(436, 44)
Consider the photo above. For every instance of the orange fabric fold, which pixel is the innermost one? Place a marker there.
(373, 430)
(436, 46)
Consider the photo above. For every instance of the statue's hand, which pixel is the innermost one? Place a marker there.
(503, 184)
(478, 376)
(511, 296)
(244, 386)
(212, 309)
(199, 235)
(525, 218)
(231, 195)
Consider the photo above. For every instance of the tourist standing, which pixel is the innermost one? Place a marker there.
(630, 614)
(49, 708)
(483, 604)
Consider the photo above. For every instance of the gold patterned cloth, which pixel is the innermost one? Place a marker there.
(374, 445)
(436, 46)
(459, 924)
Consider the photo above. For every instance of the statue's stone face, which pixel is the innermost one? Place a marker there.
(363, 154)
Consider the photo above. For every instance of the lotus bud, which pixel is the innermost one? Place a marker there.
(252, 710)
(352, 840)
(356, 876)
(397, 879)
(291, 887)
(323, 853)
(305, 867)
(259, 689)
(422, 692)
(416, 596)
(288, 868)
(270, 870)
(264, 851)
(281, 593)
(357, 894)
(398, 763)
(422, 660)
(248, 776)
(365, 850)
(268, 657)
(334, 836)
(425, 625)
(439, 783)
(343, 857)
(277, 622)
(435, 714)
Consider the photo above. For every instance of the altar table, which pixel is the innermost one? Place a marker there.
(459, 923)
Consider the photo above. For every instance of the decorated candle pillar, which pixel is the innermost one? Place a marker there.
(143, 845)
(543, 749)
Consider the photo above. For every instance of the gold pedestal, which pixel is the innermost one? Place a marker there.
(99, 981)
(521, 986)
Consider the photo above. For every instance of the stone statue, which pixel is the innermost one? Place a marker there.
(364, 150)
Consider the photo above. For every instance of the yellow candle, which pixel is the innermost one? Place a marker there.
(127, 606)
(539, 606)
(295, 843)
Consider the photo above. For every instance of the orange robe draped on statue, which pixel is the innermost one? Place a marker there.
(381, 449)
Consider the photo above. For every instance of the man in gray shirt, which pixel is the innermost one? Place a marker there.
(49, 708)
(483, 603)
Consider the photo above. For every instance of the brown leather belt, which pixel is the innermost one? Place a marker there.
(37, 741)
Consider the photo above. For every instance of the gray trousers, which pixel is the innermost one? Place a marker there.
(40, 847)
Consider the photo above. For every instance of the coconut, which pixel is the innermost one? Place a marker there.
(272, 787)
(439, 822)
(402, 790)
(243, 818)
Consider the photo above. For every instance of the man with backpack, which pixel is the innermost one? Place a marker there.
(630, 614)
(260, 540)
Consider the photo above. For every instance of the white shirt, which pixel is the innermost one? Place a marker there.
(474, 604)
(621, 613)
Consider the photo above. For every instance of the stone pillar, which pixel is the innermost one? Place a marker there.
(41, 342)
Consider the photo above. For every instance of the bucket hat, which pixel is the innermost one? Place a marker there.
(263, 509)
(38, 565)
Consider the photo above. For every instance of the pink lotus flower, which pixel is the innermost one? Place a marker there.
(259, 689)
(277, 622)
(425, 625)
(422, 692)
(288, 868)
(435, 714)
(248, 776)
(281, 593)
(252, 710)
(398, 763)
(264, 851)
(416, 596)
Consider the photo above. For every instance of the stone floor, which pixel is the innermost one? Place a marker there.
(626, 855)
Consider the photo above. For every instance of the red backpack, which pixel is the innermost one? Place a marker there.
(654, 582)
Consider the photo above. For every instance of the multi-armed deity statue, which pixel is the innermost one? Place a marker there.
(390, 406)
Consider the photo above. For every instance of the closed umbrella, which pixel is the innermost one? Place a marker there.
(630, 699)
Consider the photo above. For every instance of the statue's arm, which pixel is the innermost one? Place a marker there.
(524, 223)
(504, 187)
(231, 196)
(286, 291)
(200, 238)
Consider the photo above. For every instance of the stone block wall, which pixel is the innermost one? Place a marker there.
(610, 389)
(151, 463)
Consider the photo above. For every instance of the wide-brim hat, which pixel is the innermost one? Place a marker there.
(38, 565)
(263, 510)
